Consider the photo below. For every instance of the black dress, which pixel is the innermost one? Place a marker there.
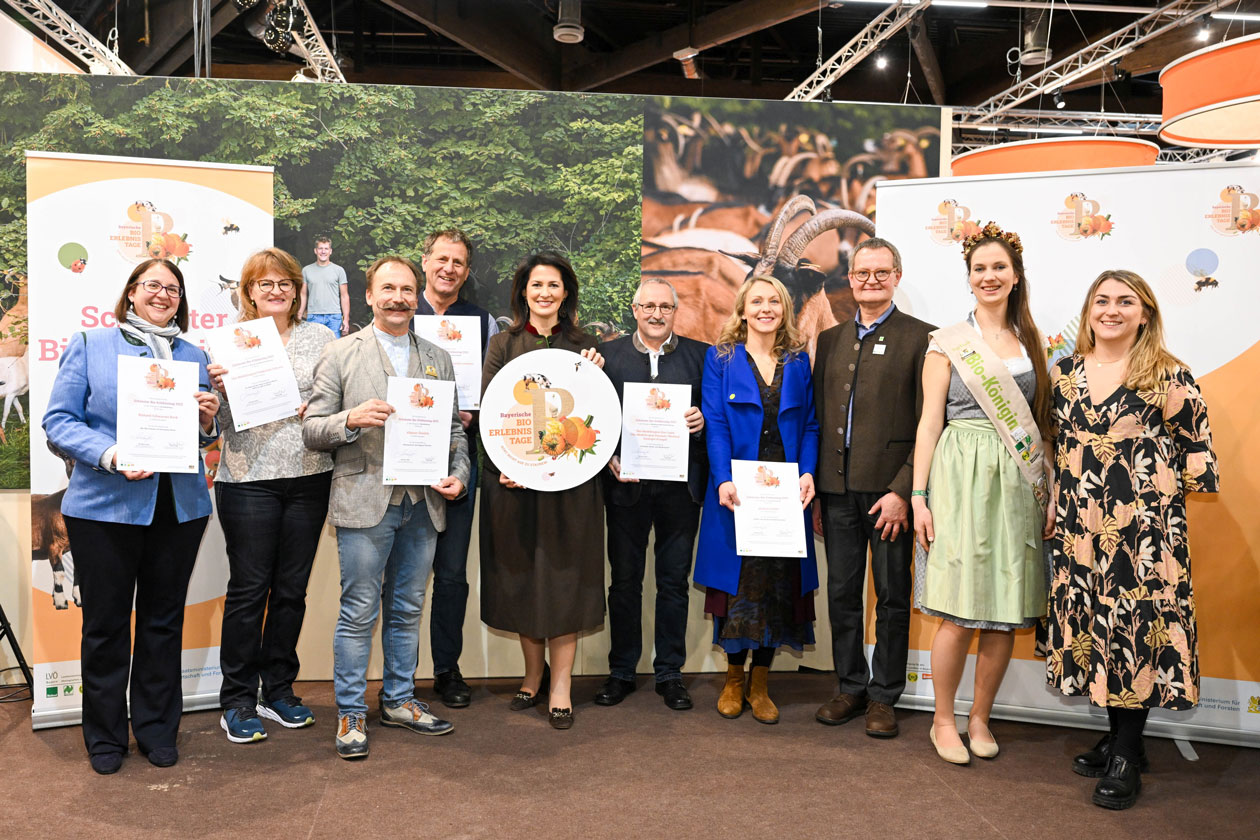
(768, 610)
(542, 554)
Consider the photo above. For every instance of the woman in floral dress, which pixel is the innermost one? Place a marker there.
(1133, 440)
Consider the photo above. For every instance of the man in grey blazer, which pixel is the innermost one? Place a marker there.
(386, 536)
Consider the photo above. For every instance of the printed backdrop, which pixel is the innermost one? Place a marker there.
(90, 221)
(1194, 234)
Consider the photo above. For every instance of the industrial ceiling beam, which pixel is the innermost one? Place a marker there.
(928, 63)
(886, 24)
(1031, 119)
(1099, 54)
(505, 33)
(717, 27)
(66, 31)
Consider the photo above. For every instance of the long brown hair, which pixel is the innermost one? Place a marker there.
(1149, 362)
(568, 309)
(181, 310)
(1019, 320)
(787, 339)
(257, 266)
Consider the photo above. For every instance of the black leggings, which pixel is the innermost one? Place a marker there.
(762, 657)
(1126, 729)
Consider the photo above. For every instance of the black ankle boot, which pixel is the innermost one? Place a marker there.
(1119, 788)
(1093, 764)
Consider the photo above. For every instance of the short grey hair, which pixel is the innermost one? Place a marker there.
(647, 280)
(875, 243)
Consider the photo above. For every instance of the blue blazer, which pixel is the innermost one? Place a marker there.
(81, 421)
(731, 403)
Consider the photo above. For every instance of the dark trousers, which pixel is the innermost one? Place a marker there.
(667, 506)
(113, 562)
(848, 530)
(272, 531)
(450, 578)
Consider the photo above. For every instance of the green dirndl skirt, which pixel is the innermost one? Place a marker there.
(987, 565)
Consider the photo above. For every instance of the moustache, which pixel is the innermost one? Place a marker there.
(397, 307)
(656, 322)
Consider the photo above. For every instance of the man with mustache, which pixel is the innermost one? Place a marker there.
(385, 535)
(653, 353)
(868, 392)
(447, 258)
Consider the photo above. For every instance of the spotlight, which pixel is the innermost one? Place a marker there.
(281, 17)
(1058, 100)
(244, 5)
(881, 62)
(277, 40)
(1205, 34)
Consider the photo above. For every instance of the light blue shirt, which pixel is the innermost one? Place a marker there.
(862, 333)
(397, 347)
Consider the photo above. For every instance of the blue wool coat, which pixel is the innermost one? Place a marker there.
(82, 419)
(731, 403)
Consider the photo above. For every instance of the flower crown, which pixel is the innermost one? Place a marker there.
(992, 231)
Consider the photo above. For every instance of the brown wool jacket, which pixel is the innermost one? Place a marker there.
(889, 389)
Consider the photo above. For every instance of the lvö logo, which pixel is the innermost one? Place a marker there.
(1083, 218)
(1238, 212)
(953, 225)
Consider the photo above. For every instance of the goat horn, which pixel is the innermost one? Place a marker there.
(770, 250)
(823, 222)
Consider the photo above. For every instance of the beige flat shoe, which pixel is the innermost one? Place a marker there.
(954, 755)
(982, 749)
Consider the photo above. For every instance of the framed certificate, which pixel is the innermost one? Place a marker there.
(460, 336)
(157, 415)
(654, 437)
(260, 384)
(769, 521)
(418, 433)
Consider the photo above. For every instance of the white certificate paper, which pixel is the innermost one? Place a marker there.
(654, 437)
(459, 335)
(157, 415)
(260, 384)
(418, 433)
(769, 521)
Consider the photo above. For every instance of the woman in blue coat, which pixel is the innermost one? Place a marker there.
(131, 532)
(758, 400)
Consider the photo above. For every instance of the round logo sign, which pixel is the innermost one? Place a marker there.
(550, 420)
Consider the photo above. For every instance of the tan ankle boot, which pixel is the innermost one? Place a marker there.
(731, 701)
(763, 707)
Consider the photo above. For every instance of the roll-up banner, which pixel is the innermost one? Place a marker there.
(1193, 233)
(90, 221)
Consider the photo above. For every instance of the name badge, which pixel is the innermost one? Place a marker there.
(879, 349)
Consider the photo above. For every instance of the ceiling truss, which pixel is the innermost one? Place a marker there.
(69, 34)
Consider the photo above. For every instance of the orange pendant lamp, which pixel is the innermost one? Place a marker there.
(1212, 96)
(1059, 153)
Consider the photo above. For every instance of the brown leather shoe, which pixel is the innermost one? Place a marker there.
(730, 702)
(840, 709)
(759, 701)
(881, 721)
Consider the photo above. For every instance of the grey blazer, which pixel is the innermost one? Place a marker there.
(350, 371)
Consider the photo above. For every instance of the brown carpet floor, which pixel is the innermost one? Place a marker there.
(634, 770)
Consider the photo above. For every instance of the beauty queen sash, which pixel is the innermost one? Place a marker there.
(987, 378)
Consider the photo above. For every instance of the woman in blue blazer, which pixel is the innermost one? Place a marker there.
(131, 532)
(758, 401)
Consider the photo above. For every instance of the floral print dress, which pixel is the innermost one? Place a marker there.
(1122, 620)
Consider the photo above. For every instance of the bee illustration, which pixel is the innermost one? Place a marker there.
(1206, 283)
(226, 285)
(230, 227)
(577, 366)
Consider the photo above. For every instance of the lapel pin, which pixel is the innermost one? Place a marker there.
(429, 370)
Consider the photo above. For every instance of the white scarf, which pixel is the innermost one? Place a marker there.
(157, 339)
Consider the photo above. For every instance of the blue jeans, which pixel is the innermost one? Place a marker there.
(383, 569)
(450, 578)
(333, 322)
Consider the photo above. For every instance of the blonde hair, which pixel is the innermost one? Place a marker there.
(1149, 362)
(257, 266)
(787, 339)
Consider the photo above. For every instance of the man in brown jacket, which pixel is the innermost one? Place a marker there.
(868, 387)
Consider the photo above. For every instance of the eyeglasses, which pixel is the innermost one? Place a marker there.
(268, 285)
(153, 287)
(880, 276)
(649, 308)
